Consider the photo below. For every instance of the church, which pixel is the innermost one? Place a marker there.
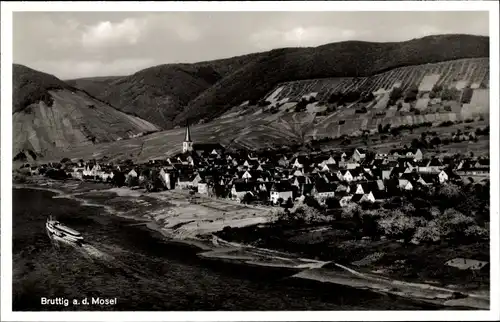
(188, 145)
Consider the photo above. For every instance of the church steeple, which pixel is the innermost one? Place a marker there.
(187, 138)
(187, 145)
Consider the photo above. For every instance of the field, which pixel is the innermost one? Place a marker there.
(475, 71)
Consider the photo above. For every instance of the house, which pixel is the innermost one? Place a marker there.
(167, 178)
(246, 175)
(345, 200)
(35, 171)
(77, 173)
(427, 179)
(405, 184)
(240, 189)
(298, 173)
(358, 155)
(106, 175)
(202, 187)
(443, 177)
(330, 160)
(299, 162)
(367, 197)
(187, 180)
(345, 175)
(132, 173)
(283, 190)
(323, 190)
(366, 187)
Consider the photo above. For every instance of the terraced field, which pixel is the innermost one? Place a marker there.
(474, 70)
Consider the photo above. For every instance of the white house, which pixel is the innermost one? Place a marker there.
(443, 177)
(345, 175)
(203, 188)
(405, 184)
(281, 190)
(246, 175)
(358, 155)
(367, 197)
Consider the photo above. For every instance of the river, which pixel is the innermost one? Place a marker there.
(144, 272)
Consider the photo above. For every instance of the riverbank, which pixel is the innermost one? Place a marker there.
(160, 212)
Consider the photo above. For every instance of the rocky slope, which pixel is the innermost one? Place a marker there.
(49, 115)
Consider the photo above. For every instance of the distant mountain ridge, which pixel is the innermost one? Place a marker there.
(169, 95)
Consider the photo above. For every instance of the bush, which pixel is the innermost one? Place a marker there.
(334, 97)
(411, 94)
(466, 95)
(301, 106)
(446, 123)
(396, 94)
(56, 174)
(476, 233)
(450, 94)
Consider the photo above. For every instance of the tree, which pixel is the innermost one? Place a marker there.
(429, 233)
(466, 95)
(289, 203)
(398, 225)
(132, 181)
(56, 174)
(411, 94)
(247, 198)
(370, 226)
(334, 97)
(453, 224)
(263, 196)
(435, 141)
(312, 202)
(396, 94)
(118, 179)
(220, 191)
(450, 94)
(301, 106)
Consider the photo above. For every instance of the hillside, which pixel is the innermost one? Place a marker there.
(50, 115)
(168, 95)
(344, 59)
(159, 93)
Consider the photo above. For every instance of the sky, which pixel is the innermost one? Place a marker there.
(88, 44)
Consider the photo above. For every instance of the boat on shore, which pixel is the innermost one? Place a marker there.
(61, 233)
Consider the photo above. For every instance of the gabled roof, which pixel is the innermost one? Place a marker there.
(241, 186)
(325, 187)
(369, 186)
(282, 186)
(356, 197)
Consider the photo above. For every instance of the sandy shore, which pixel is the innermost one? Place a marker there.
(215, 248)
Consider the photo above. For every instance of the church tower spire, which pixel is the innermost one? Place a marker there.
(187, 145)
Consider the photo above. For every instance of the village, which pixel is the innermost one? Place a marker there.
(334, 178)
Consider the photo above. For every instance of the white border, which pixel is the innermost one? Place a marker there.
(6, 135)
